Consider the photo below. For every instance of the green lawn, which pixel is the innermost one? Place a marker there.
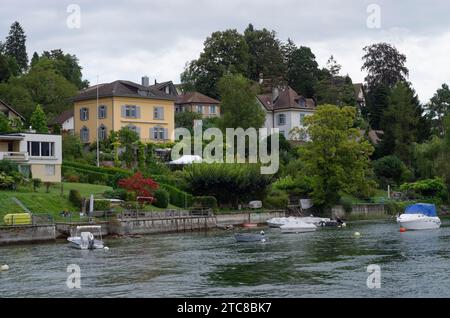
(46, 203)
(53, 202)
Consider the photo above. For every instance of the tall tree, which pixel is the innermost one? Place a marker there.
(336, 158)
(287, 49)
(239, 105)
(265, 53)
(333, 67)
(68, 66)
(400, 124)
(34, 59)
(224, 52)
(8, 67)
(15, 45)
(384, 64)
(439, 107)
(302, 71)
(38, 120)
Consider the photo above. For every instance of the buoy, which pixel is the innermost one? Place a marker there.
(357, 234)
(4, 268)
(402, 230)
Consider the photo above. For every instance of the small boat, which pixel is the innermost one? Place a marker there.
(297, 226)
(250, 225)
(420, 216)
(251, 237)
(84, 239)
(319, 222)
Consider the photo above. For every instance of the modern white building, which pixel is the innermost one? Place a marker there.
(38, 155)
(286, 110)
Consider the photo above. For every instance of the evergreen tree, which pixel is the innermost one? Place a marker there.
(302, 72)
(439, 107)
(38, 120)
(15, 46)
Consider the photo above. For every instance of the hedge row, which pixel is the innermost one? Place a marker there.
(177, 197)
(106, 170)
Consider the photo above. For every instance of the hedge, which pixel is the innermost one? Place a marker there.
(206, 202)
(177, 197)
(107, 170)
(162, 198)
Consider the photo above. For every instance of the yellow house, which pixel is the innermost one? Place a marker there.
(143, 108)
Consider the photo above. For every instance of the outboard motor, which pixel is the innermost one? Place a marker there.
(91, 241)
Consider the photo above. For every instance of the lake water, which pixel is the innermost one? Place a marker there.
(327, 263)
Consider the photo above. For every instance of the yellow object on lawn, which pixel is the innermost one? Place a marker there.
(17, 219)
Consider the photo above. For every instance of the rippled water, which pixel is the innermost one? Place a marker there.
(327, 263)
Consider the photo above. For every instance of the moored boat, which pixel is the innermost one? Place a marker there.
(420, 216)
(297, 226)
(84, 239)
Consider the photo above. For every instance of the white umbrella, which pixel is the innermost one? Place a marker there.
(186, 160)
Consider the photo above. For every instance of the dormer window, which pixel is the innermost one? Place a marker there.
(302, 102)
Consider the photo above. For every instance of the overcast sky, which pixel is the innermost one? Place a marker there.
(130, 38)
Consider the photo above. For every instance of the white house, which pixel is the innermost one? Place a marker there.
(65, 121)
(286, 110)
(38, 155)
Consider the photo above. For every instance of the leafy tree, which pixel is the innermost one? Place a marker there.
(15, 46)
(5, 125)
(68, 66)
(384, 64)
(265, 53)
(38, 120)
(8, 68)
(335, 90)
(41, 85)
(128, 139)
(141, 186)
(389, 170)
(71, 147)
(223, 52)
(302, 71)
(239, 105)
(333, 67)
(439, 107)
(336, 158)
(186, 119)
(229, 183)
(400, 123)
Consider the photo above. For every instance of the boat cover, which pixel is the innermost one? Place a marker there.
(422, 208)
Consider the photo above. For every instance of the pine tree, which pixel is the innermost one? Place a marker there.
(38, 120)
(15, 45)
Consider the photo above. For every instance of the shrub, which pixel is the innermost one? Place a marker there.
(177, 197)
(36, 183)
(142, 186)
(131, 196)
(389, 170)
(75, 198)
(9, 167)
(276, 200)
(100, 205)
(162, 198)
(429, 188)
(119, 194)
(206, 202)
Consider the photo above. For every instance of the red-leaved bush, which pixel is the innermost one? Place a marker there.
(143, 187)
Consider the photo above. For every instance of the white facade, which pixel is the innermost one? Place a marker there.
(293, 118)
(68, 125)
(37, 154)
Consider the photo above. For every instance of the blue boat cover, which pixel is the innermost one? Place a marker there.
(422, 208)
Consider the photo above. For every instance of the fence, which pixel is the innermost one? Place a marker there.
(167, 214)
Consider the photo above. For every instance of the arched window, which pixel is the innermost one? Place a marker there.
(102, 133)
(281, 119)
(84, 113)
(84, 134)
(102, 112)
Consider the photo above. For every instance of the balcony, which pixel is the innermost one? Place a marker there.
(14, 156)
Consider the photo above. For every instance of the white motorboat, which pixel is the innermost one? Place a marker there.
(317, 221)
(420, 216)
(297, 226)
(84, 239)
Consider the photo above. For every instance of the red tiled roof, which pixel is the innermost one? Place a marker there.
(195, 98)
(287, 98)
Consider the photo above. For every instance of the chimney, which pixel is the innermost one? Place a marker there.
(275, 93)
(156, 81)
(145, 81)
